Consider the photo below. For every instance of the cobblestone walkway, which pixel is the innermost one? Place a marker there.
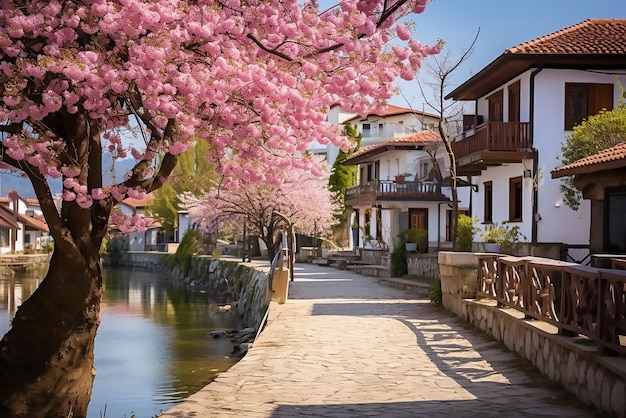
(346, 346)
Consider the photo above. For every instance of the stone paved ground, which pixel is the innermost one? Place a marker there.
(346, 346)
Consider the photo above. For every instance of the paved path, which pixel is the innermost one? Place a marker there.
(346, 346)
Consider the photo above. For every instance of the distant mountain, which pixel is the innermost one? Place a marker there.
(13, 181)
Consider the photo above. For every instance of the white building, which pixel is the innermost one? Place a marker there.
(376, 128)
(527, 101)
(401, 187)
(22, 226)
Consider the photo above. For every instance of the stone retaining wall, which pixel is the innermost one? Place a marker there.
(226, 276)
(423, 264)
(247, 284)
(575, 362)
(373, 256)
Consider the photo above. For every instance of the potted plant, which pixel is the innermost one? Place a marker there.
(415, 239)
(501, 238)
(401, 177)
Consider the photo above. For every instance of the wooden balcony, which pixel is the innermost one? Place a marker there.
(378, 190)
(491, 144)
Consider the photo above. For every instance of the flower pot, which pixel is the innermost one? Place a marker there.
(399, 179)
(492, 247)
(410, 247)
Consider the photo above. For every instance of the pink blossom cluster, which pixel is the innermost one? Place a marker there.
(128, 224)
(304, 199)
(255, 80)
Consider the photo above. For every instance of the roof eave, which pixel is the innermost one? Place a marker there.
(507, 66)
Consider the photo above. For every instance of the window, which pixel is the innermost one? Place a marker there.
(584, 100)
(366, 130)
(4, 236)
(424, 170)
(496, 109)
(515, 199)
(514, 102)
(488, 203)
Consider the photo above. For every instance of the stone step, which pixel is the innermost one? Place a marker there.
(372, 270)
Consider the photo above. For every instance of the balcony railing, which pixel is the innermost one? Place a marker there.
(493, 136)
(393, 190)
(577, 299)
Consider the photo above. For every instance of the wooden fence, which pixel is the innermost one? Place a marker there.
(579, 300)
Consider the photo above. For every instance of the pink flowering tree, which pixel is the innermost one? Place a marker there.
(302, 200)
(143, 79)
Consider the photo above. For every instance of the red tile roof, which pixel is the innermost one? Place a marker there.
(413, 141)
(608, 159)
(592, 36)
(34, 222)
(392, 110)
(138, 203)
(6, 220)
(591, 44)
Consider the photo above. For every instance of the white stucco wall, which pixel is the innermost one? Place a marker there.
(557, 222)
(499, 176)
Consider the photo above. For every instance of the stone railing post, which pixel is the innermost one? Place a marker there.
(459, 279)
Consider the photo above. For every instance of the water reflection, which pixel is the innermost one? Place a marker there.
(154, 345)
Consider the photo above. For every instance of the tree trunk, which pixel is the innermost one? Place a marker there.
(46, 358)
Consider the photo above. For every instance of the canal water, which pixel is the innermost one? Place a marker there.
(154, 346)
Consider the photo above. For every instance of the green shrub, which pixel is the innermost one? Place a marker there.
(399, 266)
(189, 246)
(434, 293)
(464, 233)
(116, 246)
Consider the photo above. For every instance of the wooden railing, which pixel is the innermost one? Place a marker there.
(389, 190)
(577, 299)
(493, 136)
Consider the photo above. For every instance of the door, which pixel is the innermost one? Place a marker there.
(418, 218)
(615, 233)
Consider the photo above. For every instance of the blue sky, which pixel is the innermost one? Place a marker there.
(503, 24)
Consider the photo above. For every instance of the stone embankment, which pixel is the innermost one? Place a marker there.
(11, 263)
(246, 283)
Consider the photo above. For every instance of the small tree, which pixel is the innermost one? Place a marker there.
(301, 200)
(343, 176)
(192, 174)
(464, 233)
(439, 72)
(599, 132)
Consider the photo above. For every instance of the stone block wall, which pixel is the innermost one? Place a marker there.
(424, 265)
(248, 285)
(575, 362)
(459, 279)
(369, 256)
(219, 276)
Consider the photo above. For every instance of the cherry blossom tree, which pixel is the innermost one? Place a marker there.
(141, 79)
(301, 200)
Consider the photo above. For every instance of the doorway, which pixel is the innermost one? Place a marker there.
(418, 218)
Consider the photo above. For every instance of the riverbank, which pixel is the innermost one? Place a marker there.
(12, 263)
(247, 283)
